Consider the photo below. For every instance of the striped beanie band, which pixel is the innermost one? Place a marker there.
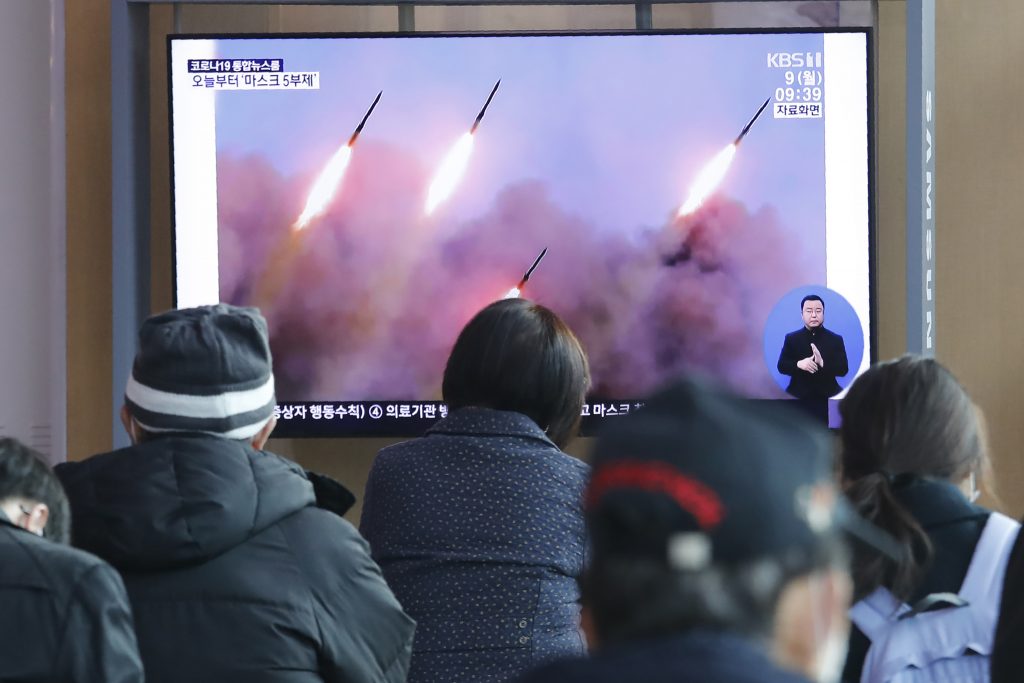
(205, 369)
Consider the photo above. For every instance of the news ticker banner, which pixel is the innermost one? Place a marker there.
(327, 419)
(399, 418)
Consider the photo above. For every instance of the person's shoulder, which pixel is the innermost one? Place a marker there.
(322, 536)
(544, 462)
(795, 333)
(314, 517)
(397, 453)
(397, 450)
(569, 464)
(52, 553)
(328, 551)
(45, 564)
(74, 471)
(393, 462)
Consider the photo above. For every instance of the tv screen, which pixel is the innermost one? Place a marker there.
(370, 194)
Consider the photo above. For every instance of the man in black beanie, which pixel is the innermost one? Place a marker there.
(233, 571)
(715, 556)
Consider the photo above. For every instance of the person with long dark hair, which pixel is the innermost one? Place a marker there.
(478, 525)
(913, 450)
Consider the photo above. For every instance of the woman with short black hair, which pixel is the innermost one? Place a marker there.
(478, 525)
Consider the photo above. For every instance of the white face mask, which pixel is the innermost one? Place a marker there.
(831, 659)
(830, 645)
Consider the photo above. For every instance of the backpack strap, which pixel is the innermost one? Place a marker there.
(984, 580)
(873, 614)
(937, 645)
(934, 601)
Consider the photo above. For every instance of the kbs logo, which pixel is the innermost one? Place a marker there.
(794, 60)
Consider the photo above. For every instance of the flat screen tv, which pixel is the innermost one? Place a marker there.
(370, 193)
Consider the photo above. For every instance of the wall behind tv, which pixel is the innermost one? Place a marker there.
(32, 230)
(978, 201)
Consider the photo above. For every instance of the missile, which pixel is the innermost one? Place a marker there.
(532, 268)
(359, 128)
(480, 116)
(746, 128)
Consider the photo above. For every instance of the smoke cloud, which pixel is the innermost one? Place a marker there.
(366, 303)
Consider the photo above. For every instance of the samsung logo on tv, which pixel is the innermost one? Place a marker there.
(790, 60)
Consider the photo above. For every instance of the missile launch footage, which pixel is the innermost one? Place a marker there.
(711, 175)
(517, 291)
(454, 165)
(327, 182)
(644, 190)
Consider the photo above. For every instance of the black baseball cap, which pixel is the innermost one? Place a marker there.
(702, 477)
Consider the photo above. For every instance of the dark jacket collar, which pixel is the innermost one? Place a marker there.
(820, 330)
(934, 502)
(5, 522)
(475, 421)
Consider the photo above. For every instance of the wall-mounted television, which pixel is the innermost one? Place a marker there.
(370, 193)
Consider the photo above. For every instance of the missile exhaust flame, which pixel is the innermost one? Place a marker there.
(708, 180)
(711, 176)
(454, 165)
(516, 291)
(326, 184)
(452, 169)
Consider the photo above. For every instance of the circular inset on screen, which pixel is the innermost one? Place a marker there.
(813, 342)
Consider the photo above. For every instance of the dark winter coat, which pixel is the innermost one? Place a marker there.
(479, 531)
(233, 572)
(697, 657)
(954, 527)
(64, 615)
(821, 384)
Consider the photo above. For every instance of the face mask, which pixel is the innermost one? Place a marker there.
(830, 646)
(831, 659)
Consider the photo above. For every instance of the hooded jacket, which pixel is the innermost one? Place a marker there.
(64, 614)
(233, 572)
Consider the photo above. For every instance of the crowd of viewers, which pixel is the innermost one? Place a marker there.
(710, 538)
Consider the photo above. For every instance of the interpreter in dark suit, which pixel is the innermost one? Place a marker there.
(478, 525)
(813, 357)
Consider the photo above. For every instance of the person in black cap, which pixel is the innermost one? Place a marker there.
(64, 614)
(715, 556)
(235, 570)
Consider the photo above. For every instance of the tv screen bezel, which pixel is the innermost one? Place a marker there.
(589, 424)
